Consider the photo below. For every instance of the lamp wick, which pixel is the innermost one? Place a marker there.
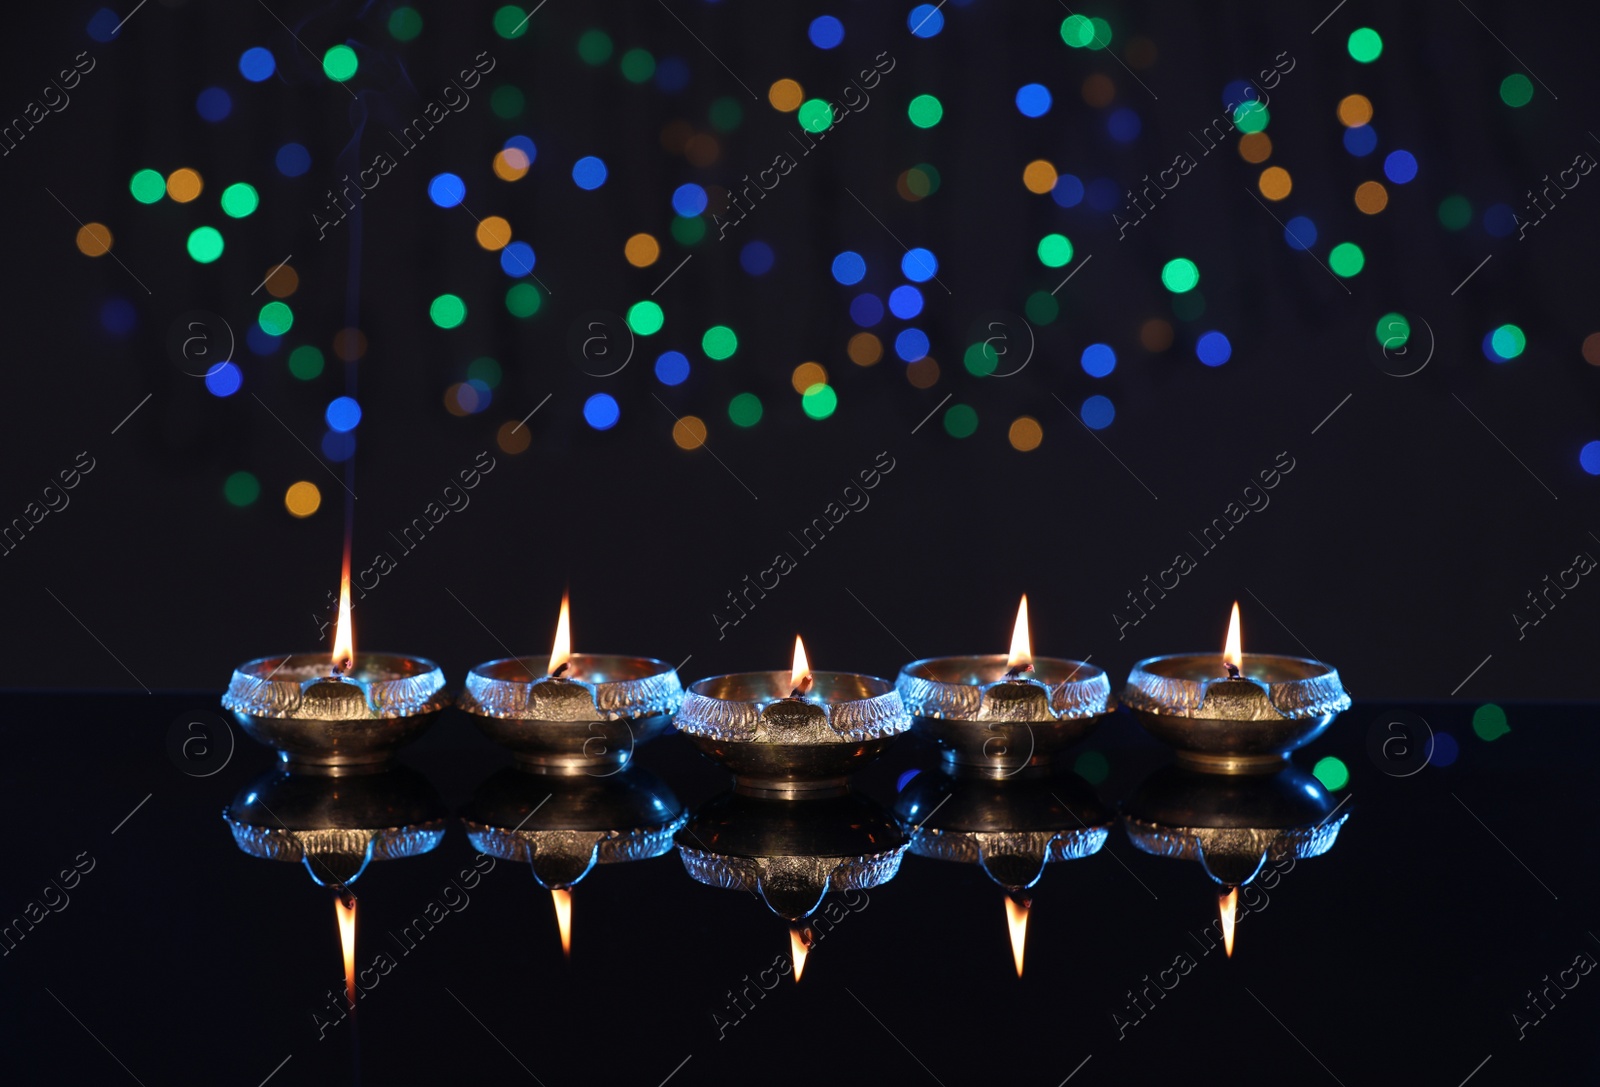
(1233, 669)
(555, 673)
(1016, 670)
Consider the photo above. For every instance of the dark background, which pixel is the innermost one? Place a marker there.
(1397, 549)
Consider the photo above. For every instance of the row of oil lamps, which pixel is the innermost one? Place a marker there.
(790, 733)
(790, 853)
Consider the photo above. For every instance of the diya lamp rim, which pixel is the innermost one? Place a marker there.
(949, 700)
(655, 692)
(1316, 693)
(417, 688)
(878, 715)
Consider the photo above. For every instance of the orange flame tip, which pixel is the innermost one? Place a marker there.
(1233, 651)
(344, 631)
(800, 671)
(346, 914)
(1017, 923)
(561, 649)
(799, 947)
(1021, 646)
(1227, 906)
(562, 898)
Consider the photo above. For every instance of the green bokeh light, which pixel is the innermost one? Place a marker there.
(1393, 331)
(1508, 341)
(745, 409)
(1332, 772)
(1516, 90)
(1347, 259)
(405, 23)
(638, 65)
(305, 362)
(688, 229)
(205, 244)
(1077, 31)
(646, 318)
(1180, 274)
(981, 359)
(1041, 308)
(1055, 250)
(819, 401)
(239, 200)
(720, 342)
(1365, 45)
(241, 489)
(594, 46)
(1251, 117)
(925, 111)
(961, 421)
(275, 318)
(340, 63)
(1489, 722)
(1092, 767)
(511, 22)
(486, 370)
(1455, 212)
(148, 187)
(447, 311)
(815, 115)
(726, 114)
(1099, 33)
(507, 102)
(523, 300)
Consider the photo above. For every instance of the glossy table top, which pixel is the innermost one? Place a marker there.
(1446, 935)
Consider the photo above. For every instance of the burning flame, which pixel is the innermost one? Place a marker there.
(1021, 648)
(799, 947)
(1226, 905)
(561, 649)
(345, 911)
(563, 900)
(344, 632)
(1017, 922)
(1233, 652)
(800, 671)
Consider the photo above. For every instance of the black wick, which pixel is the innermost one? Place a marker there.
(801, 688)
(1016, 670)
(1233, 669)
(555, 673)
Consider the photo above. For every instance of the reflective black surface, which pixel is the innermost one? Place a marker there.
(1439, 932)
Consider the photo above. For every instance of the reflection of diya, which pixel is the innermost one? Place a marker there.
(584, 713)
(791, 853)
(794, 733)
(1233, 826)
(563, 826)
(1238, 713)
(1011, 829)
(996, 714)
(337, 824)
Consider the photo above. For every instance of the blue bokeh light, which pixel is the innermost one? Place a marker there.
(1098, 411)
(672, 368)
(1124, 125)
(338, 446)
(260, 340)
(756, 258)
(925, 20)
(589, 173)
(911, 345)
(257, 64)
(1213, 348)
(517, 259)
(919, 265)
(687, 200)
(826, 32)
(292, 160)
(866, 310)
(104, 24)
(1400, 166)
(1445, 750)
(214, 104)
(1300, 233)
(905, 302)
(343, 414)
(1361, 140)
(601, 411)
(1068, 191)
(1589, 458)
(524, 144)
(224, 379)
(1499, 220)
(447, 190)
(1098, 360)
(849, 268)
(1033, 100)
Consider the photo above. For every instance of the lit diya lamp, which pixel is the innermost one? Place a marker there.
(336, 824)
(1233, 827)
(580, 713)
(350, 709)
(561, 827)
(790, 853)
(793, 733)
(996, 714)
(1238, 713)
(1010, 829)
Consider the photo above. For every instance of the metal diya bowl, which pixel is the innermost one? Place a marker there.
(337, 824)
(563, 826)
(985, 722)
(1233, 825)
(777, 745)
(588, 723)
(1243, 725)
(312, 718)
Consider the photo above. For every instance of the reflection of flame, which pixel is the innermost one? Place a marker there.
(561, 649)
(346, 913)
(344, 632)
(1021, 650)
(1233, 652)
(1017, 922)
(563, 900)
(1227, 904)
(799, 947)
(800, 672)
